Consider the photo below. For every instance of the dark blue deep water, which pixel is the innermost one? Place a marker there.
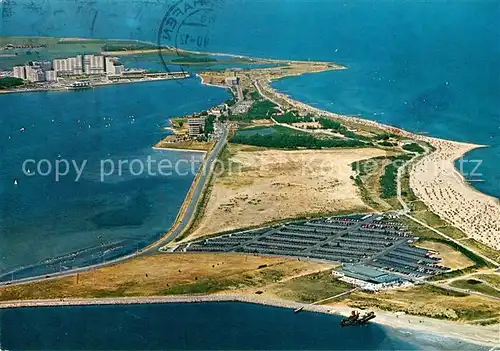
(199, 326)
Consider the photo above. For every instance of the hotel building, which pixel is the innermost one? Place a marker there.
(19, 72)
(51, 76)
(196, 126)
(94, 64)
(69, 66)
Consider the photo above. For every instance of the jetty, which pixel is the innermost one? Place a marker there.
(297, 310)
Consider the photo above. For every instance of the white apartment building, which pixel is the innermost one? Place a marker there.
(94, 64)
(75, 64)
(69, 66)
(33, 74)
(110, 64)
(19, 72)
(51, 76)
(43, 65)
(60, 65)
(113, 66)
(119, 69)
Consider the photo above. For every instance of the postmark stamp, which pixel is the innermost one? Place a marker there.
(185, 26)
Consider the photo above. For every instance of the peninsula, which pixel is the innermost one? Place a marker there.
(305, 207)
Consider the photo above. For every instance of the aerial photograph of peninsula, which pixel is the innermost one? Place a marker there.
(249, 175)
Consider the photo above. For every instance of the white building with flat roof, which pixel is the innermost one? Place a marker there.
(68, 66)
(43, 65)
(75, 64)
(94, 64)
(51, 76)
(19, 72)
(113, 66)
(110, 64)
(196, 126)
(119, 69)
(60, 65)
(33, 75)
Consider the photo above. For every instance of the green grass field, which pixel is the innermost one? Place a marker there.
(476, 285)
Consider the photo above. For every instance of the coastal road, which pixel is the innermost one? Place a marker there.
(204, 175)
(186, 215)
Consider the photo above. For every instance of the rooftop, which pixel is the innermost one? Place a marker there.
(367, 273)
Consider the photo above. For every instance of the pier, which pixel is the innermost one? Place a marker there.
(297, 310)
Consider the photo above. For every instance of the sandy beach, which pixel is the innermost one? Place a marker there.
(434, 178)
(482, 335)
(436, 181)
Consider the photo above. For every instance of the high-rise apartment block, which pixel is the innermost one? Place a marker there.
(19, 72)
(94, 64)
(69, 66)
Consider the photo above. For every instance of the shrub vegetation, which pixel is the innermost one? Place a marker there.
(286, 138)
(10, 82)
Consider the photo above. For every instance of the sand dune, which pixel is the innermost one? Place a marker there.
(434, 179)
(271, 185)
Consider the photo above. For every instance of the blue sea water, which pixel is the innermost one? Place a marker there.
(98, 217)
(425, 66)
(428, 66)
(236, 326)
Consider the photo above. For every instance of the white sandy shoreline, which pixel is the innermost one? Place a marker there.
(434, 178)
(453, 198)
(175, 149)
(481, 335)
(437, 182)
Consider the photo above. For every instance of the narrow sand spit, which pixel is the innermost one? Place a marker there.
(435, 180)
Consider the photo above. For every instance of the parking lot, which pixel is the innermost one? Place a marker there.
(367, 239)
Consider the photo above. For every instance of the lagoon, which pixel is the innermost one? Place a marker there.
(95, 218)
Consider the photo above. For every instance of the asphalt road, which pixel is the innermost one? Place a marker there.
(188, 215)
(181, 225)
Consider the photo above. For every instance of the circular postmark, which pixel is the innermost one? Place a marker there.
(186, 27)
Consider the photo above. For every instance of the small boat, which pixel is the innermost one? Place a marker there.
(298, 309)
(16, 182)
(78, 85)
